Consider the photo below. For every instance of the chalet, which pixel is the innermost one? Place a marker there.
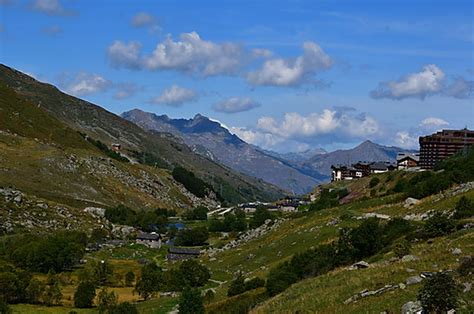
(178, 254)
(116, 147)
(407, 160)
(359, 170)
(152, 240)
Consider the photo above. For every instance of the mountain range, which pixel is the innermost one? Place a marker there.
(296, 173)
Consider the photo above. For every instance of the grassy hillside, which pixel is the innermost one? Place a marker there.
(165, 151)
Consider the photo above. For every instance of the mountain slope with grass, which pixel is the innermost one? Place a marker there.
(37, 110)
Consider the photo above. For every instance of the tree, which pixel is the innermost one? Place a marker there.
(193, 273)
(198, 213)
(124, 308)
(151, 281)
(208, 296)
(192, 237)
(190, 301)
(439, 294)
(34, 291)
(52, 294)
(107, 300)
(237, 286)
(366, 239)
(129, 278)
(4, 307)
(260, 216)
(84, 295)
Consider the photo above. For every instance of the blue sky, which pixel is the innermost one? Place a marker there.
(285, 75)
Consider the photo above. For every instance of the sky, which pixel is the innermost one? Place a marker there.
(284, 75)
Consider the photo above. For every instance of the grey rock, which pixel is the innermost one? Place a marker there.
(361, 264)
(410, 201)
(456, 251)
(467, 286)
(413, 280)
(402, 285)
(412, 307)
(409, 258)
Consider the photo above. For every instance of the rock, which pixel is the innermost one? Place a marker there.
(411, 201)
(412, 307)
(410, 270)
(409, 258)
(212, 259)
(17, 199)
(361, 264)
(375, 215)
(414, 280)
(426, 274)
(456, 251)
(95, 211)
(467, 286)
(401, 285)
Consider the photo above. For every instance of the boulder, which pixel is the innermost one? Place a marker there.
(361, 264)
(95, 211)
(401, 285)
(414, 280)
(409, 258)
(467, 287)
(456, 251)
(412, 307)
(410, 201)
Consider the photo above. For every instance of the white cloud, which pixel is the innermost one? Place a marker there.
(50, 7)
(255, 137)
(175, 96)
(262, 53)
(429, 81)
(460, 88)
(125, 55)
(432, 122)
(190, 54)
(330, 121)
(292, 72)
(125, 90)
(235, 104)
(404, 139)
(86, 84)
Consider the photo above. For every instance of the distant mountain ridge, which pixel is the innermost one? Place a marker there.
(211, 139)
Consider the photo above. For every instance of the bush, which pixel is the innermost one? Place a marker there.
(84, 295)
(464, 208)
(280, 278)
(124, 308)
(129, 278)
(192, 237)
(402, 248)
(373, 182)
(328, 198)
(439, 294)
(198, 213)
(106, 301)
(4, 307)
(438, 225)
(466, 267)
(260, 215)
(190, 301)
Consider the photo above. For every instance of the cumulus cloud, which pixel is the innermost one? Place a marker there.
(50, 7)
(190, 54)
(292, 71)
(52, 30)
(404, 139)
(460, 88)
(329, 121)
(255, 137)
(85, 84)
(175, 96)
(235, 104)
(125, 90)
(429, 81)
(125, 55)
(432, 122)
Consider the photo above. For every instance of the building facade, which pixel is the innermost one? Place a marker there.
(443, 144)
(407, 160)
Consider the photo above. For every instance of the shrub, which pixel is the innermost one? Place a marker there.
(373, 182)
(464, 208)
(84, 295)
(198, 213)
(260, 215)
(190, 301)
(254, 283)
(280, 278)
(192, 237)
(237, 286)
(106, 301)
(129, 278)
(124, 308)
(402, 248)
(439, 294)
(438, 225)
(466, 267)
(4, 307)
